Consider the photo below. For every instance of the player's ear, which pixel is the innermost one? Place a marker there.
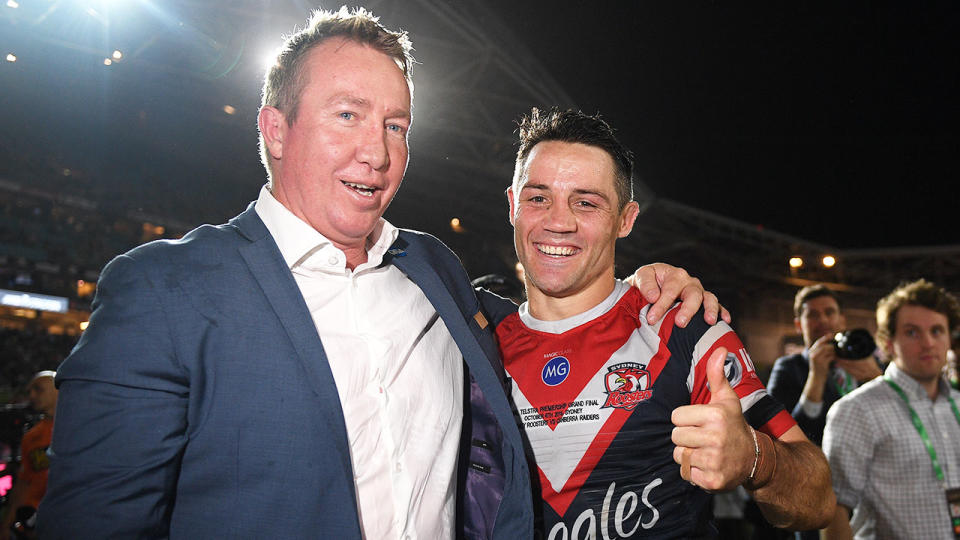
(627, 217)
(796, 324)
(511, 202)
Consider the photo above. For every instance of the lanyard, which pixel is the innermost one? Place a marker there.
(919, 425)
(847, 385)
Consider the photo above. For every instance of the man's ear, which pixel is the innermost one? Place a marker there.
(273, 127)
(510, 199)
(627, 217)
(796, 324)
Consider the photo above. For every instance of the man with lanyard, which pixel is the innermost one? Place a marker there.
(809, 383)
(610, 403)
(894, 443)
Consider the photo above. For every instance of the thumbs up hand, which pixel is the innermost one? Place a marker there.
(715, 449)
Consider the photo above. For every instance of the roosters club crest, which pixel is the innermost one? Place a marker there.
(627, 385)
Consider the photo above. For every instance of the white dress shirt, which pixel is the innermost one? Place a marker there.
(398, 371)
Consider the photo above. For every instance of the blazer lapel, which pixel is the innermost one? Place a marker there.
(270, 270)
(419, 269)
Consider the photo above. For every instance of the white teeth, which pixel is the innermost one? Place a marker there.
(556, 250)
(360, 188)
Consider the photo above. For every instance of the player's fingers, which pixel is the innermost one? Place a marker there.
(695, 415)
(720, 389)
(693, 437)
(685, 464)
(725, 315)
(711, 307)
(645, 279)
(691, 298)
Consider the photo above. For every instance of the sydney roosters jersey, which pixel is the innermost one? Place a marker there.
(594, 395)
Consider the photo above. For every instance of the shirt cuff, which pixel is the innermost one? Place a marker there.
(810, 408)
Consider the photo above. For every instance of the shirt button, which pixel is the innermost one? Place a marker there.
(333, 260)
(399, 467)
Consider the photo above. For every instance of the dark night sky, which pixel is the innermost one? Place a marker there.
(834, 122)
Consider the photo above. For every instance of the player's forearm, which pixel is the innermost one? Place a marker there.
(839, 528)
(799, 494)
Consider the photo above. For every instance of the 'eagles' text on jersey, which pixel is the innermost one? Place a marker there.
(595, 393)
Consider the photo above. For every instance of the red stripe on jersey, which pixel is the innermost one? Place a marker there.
(562, 500)
(778, 425)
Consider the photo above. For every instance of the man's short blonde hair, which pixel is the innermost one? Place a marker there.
(285, 79)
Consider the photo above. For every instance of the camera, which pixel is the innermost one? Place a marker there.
(854, 344)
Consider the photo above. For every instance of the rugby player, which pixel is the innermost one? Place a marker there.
(610, 404)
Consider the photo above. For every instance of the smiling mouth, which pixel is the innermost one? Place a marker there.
(366, 191)
(556, 251)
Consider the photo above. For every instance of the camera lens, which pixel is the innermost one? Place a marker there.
(854, 344)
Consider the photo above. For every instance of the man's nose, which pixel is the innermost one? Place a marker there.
(560, 218)
(372, 148)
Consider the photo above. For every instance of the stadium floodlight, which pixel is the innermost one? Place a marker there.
(107, 61)
(11, 57)
(796, 262)
(12, 4)
(229, 109)
(828, 261)
(117, 54)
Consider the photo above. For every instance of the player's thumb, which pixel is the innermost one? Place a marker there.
(720, 389)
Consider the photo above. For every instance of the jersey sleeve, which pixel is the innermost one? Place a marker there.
(759, 408)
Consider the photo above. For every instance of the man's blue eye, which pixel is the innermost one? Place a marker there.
(346, 115)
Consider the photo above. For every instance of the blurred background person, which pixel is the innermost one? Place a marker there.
(808, 383)
(31, 481)
(894, 443)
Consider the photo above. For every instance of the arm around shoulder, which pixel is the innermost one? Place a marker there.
(495, 306)
(121, 417)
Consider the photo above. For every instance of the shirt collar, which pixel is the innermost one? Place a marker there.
(911, 387)
(300, 243)
(560, 326)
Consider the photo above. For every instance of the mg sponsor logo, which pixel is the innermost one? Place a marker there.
(555, 371)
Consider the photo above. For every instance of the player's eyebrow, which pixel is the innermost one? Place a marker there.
(592, 192)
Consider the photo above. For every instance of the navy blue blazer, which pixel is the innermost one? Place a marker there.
(199, 402)
(787, 379)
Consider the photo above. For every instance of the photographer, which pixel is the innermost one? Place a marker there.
(810, 382)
